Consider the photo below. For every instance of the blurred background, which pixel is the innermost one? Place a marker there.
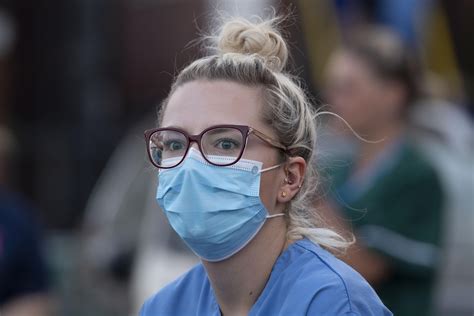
(80, 80)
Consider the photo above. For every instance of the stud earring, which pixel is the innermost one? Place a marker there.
(283, 194)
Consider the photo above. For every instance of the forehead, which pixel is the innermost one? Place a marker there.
(197, 105)
(347, 65)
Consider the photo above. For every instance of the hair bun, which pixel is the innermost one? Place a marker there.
(244, 37)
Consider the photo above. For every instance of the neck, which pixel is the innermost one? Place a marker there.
(238, 281)
(386, 134)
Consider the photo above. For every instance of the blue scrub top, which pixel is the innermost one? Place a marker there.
(305, 280)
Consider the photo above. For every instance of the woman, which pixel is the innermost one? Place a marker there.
(233, 150)
(387, 190)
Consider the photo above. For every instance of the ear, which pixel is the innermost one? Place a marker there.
(295, 169)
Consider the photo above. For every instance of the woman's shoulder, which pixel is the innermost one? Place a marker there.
(181, 294)
(336, 288)
(318, 263)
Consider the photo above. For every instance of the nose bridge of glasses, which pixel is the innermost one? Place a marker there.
(194, 141)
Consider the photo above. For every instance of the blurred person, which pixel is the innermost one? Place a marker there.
(24, 284)
(433, 29)
(24, 287)
(233, 148)
(385, 188)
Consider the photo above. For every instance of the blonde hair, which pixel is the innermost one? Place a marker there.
(255, 54)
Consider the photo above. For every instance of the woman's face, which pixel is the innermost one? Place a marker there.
(358, 95)
(198, 105)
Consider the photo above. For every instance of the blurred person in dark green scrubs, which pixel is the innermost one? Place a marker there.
(386, 191)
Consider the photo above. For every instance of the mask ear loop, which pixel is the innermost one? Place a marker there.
(270, 168)
(276, 215)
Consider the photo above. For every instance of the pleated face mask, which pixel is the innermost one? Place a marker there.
(215, 210)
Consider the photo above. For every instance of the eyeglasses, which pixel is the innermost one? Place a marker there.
(220, 145)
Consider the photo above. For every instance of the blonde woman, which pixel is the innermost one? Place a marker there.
(233, 149)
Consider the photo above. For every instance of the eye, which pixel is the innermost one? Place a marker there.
(226, 144)
(174, 145)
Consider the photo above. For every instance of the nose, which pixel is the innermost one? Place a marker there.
(194, 141)
(194, 145)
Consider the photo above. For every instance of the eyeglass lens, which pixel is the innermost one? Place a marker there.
(220, 146)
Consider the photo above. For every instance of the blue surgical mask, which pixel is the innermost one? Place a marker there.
(215, 210)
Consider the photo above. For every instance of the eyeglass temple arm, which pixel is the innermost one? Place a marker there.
(267, 139)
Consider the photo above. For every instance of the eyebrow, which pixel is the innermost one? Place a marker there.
(209, 125)
(174, 126)
(213, 132)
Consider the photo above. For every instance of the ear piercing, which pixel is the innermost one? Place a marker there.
(283, 194)
(291, 182)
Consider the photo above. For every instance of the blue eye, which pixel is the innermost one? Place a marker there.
(227, 144)
(174, 145)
